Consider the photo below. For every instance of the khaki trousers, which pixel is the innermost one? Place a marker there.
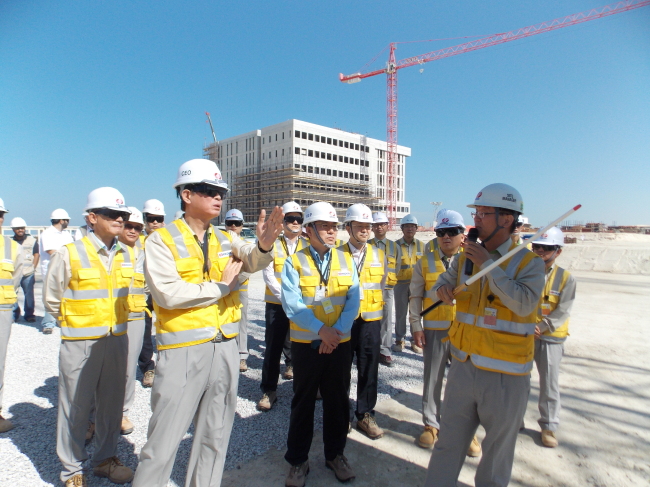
(6, 320)
(136, 339)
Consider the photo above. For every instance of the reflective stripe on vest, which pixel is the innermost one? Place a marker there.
(432, 266)
(407, 263)
(137, 298)
(551, 297)
(340, 280)
(95, 303)
(192, 326)
(9, 250)
(279, 256)
(370, 277)
(391, 251)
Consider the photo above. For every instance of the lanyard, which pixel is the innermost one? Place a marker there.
(324, 277)
(205, 247)
(286, 248)
(363, 259)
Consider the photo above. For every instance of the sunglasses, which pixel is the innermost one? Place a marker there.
(131, 226)
(2, 214)
(112, 214)
(155, 218)
(236, 223)
(207, 190)
(293, 219)
(452, 232)
(545, 248)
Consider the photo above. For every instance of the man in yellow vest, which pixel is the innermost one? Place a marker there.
(411, 251)
(87, 288)
(277, 323)
(191, 270)
(551, 332)
(11, 273)
(393, 256)
(321, 296)
(492, 342)
(371, 267)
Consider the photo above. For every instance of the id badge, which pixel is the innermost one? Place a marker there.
(490, 317)
(320, 294)
(546, 309)
(327, 306)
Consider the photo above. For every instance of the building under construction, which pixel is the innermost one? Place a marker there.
(303, 162)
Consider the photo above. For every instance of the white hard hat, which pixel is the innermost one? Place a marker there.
(106, 197)
(84, 214)
(449, 219)
(379, 217)
(291, 207)
(358, 212)
(2, 206)
(200, 171)
(234, 214)
(179, 214)
(553, 236)
(499, 195)
(18, 222)
(408, 219)
(320, 212)
(136, 215)
(154, 207)
(59, 214)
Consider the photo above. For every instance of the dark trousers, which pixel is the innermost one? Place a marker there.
(145, 360)
(275, 336)
(366, 344)
(331, 373)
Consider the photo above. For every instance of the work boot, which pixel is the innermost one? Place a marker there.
(386, 360)
(127, 426)
(398, 346)
(297, 475)
(341, 468)
(78, 480)
(243, 366)
(474, 449)
(5, 425)
(31, 319)
(48, 330)
(548, 439)
(90, 432)
(369, 426)
(416, 349)
(428, 437)
(114, 470)
(147, 379)
(288, 373)
(268, 400)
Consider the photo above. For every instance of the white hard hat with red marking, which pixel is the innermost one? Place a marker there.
(499, 195)
(449, 219)
(408, 219)
(154, 207)
(553, 236)
(59, 214)
(291, 207)
(379, 217)
(358, 212)
(136, 215)
(320, 212)
(104, 198)
(234, 214)
(197, 171)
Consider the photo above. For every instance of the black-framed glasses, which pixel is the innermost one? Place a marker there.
(452, 232)
(112, 214)
(236, 223)
(480, 215)
(545, 248)
(133, 226)
(155, 218)
(207, 190)
(293, 219)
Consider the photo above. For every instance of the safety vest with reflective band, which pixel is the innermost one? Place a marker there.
(432, 266)
(484, 329)
(191, 326)
(407, 263)
(9, 251)
(279, 256)
(340, 280)
(27, 247)
(372, 302)
(550, 299)
(137, 298)
(140, 242)
(391, 252)
(96, 302)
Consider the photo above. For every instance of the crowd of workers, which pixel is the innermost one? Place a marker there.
(328, 303)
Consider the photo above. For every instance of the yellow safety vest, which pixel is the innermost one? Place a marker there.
(550, 299)
(340, 280)
(9, 251)
(432, 266)
(484, 329)
(96, 302)
(191, 326)
(407, 263)
(392, 251)
(370, 276)
(140, 242)
(279, 255)
(137, 298)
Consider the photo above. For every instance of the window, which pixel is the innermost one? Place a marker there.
(346, 145)
(304, 152)
(329, 141)
(304, 168)
(317, 138)
(310, 169)
(269, 139)
(311, 153)
(296, 166)
(322, 155)
(304, 135)
(297, 134)
(367, 163)
(283, 135)
(346, 159)
(282, 152)
(340, 174)
(366, 178)
(356, 176)
(329, 156)
(356, 162)
(269, 154)
(311, 136)
(329, 171)
(297, 151)
(345, 174)
(317, 155)
(356, 146)
(367, 149)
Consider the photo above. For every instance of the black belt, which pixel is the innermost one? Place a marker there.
(220, 338)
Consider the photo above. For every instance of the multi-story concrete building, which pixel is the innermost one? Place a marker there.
(305, 162)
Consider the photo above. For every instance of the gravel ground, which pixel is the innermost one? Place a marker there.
(28, 452)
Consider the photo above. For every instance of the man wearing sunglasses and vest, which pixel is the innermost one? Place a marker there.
(87, 288)
(321, 296)
(492, 342)
(276, 333)
(551, 332)
(191, 270)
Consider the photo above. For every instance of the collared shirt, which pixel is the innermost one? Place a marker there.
(300, 314)
(268, 274)
(409, 246)
(357, 254)
(51, 239)
(102, 249)
(561, 313)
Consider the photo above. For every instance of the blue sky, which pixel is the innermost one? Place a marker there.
(114, 94)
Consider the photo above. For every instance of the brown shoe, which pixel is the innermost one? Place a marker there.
(78, 480)
(474, 449)
(341, 468)
(127, 426)
(428, 437)
(416, 349)
(147, 380)
(243, 366)
(386, 360)
(548, 439)
(288, 373)
(114, 470)
(297, 475)
(5, 425)
(90, 432)
(267, 401)
(398, 346)
(369, 426)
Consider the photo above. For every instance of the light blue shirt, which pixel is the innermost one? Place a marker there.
(300, 314)
(101, 247)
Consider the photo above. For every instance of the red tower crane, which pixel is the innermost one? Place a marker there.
(392, 66)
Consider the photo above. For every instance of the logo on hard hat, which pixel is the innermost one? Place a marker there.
(545, 235)
(217, 175)
(509, 197)
(365, 215)
(119, 201)
(445, 220)
(480, 193)
(332, 214)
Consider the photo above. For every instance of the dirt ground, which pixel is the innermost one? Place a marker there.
(605, 421)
